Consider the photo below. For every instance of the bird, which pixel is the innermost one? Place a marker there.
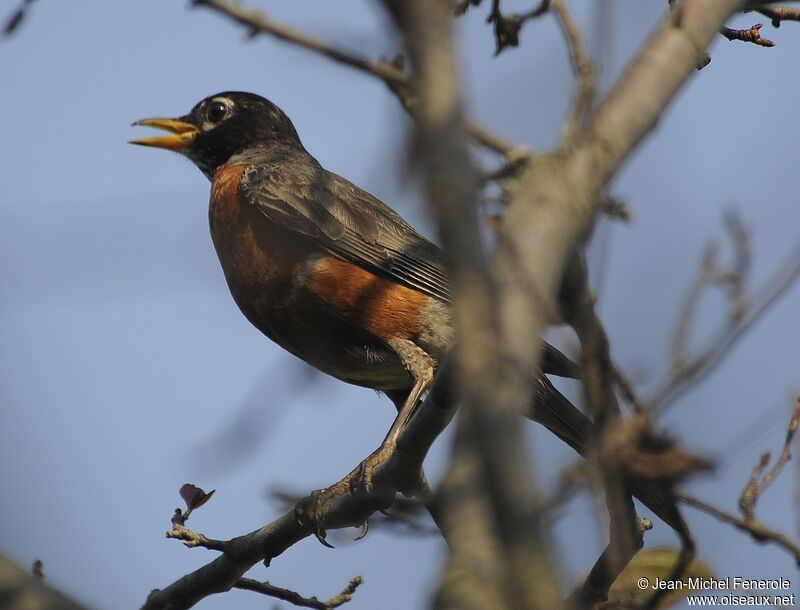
(332, 274)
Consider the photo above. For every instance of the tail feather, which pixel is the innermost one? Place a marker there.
(556, 413)
(556, 363)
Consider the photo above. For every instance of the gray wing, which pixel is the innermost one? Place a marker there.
(348, 222)
(353, 225)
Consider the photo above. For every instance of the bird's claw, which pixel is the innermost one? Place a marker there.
(364, 530)
(361, 479)
(310, 511)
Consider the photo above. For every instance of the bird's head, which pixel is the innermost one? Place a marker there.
(221, 126)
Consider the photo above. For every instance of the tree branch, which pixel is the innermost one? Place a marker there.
(266, 543)
(287, 595)
(756, 485)
(581, 65)
(757, 530)
(257, 22)
(625, 536)
(698, 367)
(779, 13)
(17, 17)
(20, 588)
(507, 27)
(751, 34)
(495, 386)
(604, 573)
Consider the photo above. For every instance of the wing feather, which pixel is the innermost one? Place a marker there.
(298, 194)
(347, 221)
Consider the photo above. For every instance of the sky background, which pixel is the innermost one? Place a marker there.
(126, 370)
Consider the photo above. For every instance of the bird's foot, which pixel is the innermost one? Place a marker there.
(359, 482)
(312, 509)
(406, 480)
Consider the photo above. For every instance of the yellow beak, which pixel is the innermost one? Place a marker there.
(183, 134)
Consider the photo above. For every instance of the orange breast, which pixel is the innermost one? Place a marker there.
(383, 308)
(254, 253)
(321, 308)
(225, 193)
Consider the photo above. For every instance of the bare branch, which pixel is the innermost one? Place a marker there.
(193, 539)
(495, 385)
(749, 495)
(405, 516)
(287, 595)
(779, 13)
(553, 200)
(786, 453)
(257, 22)
(703, 363)
(507, 27)
(626, 389)
(604, 572)
(461, 6)
(756, 529)
(710, 275)
(751, 34)
(17, 17)
(581, 65)
(266, 543)
(505, 305)
(625, 537)
(21, 589)
(756, 484)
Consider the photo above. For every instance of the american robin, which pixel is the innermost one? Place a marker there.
(329, 272)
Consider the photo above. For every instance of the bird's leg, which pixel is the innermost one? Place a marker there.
(421, 367)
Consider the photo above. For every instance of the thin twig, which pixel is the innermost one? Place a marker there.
(749, 497)
(751, 34)
(756, 484)
(241, 553)
(459, 8)
(17, 17)
(486, 361)
(626, 387)
(779, 13)
(581, 65)
(604, 572)
(287, 595)
(613, 207)
(507, 27)
(786, 453)
(705, 277)
(193, 539)
(705, 362)
(733, 279)
(756, 529)
(257, 21)
(626, 533)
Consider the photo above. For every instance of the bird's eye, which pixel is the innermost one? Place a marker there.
(216, 112)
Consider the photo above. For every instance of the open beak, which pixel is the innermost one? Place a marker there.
(183, 134)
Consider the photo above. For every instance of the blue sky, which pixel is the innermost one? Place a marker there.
(126, 369)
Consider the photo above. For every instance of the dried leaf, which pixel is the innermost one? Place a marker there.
(194, 496)
(634, 586)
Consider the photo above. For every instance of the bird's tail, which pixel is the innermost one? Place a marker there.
(556, 413)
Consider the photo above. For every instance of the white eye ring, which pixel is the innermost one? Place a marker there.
(217, 111)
